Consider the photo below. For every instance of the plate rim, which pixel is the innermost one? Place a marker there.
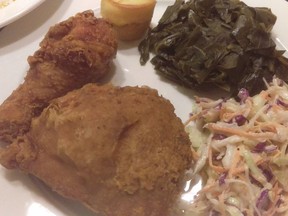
(16, 10)
(33, 196)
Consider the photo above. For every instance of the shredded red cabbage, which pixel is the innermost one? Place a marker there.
(281, 103)
(279, 202)
(270, 148)
(263, 147)
(222, 178)
(254, 181)
(240, 120)
(263, 200)
(266, 172)
(214, 213)
(259, 147)
(219, 136)
(243, 95)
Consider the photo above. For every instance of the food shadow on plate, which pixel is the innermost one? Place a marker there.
(126, 45)
(65, 206)
(116, 76)
(208, 91)
(38, 188)
(111, 73)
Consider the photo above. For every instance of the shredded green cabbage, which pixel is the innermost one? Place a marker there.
(242, 151)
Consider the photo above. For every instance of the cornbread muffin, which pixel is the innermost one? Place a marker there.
(130, 18)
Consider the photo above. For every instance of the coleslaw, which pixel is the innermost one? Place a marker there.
(241, 152)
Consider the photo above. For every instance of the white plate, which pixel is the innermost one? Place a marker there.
(16, 9)
(20, 195)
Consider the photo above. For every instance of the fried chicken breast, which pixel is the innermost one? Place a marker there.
(73, 53)
(119, 151)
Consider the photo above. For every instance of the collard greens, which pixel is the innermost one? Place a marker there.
(223, 42)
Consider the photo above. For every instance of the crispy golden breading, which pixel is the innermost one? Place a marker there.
(73, 53)
(119, 151)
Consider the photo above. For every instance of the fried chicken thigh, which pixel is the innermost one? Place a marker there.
(73, 53)
(119, 151)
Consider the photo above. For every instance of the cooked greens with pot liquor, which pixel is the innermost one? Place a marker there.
(221, 42)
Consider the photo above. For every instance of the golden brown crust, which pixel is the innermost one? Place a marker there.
(120, 151)
(74, 52)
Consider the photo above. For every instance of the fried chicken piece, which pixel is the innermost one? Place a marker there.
(119, 151)
(73, 53)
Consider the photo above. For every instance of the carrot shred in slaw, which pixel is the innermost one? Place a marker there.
(242, 153)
